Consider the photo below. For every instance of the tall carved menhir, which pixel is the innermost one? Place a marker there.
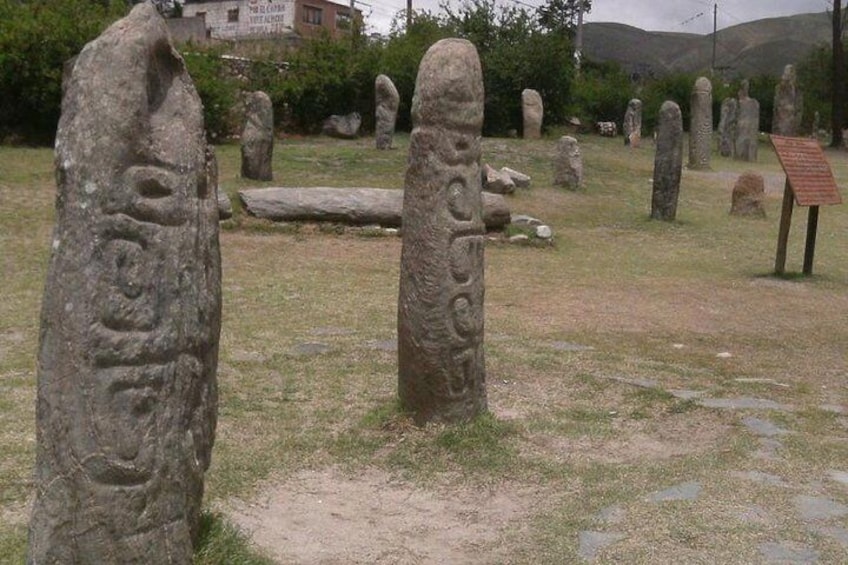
(131, 315)
(668, 163)
(257, 137)
(788, 105)
(441, 368)
(532, 111)
(632, 125)
(701, 124)
(386, 103)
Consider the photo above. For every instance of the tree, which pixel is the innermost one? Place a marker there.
(36, 39)
(515, 54)
(560, 16)
(837, 113)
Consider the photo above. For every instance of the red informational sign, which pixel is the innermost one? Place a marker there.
(807, 170)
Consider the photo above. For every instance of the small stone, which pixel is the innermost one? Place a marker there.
(544, 232)
(755, 515)
(568, 168)
(343, 127)
(788, 552)
(641, 383)
(763, 427)
(814, 508)
(678, 345)
(761, 381)
(519, 238)
(748, 195)
(769, 447)
(611, 514)
(607, 129)
(760, 477)
(524, 220)
(743, 403)
(383, 345)
(225, 206)
(839, 476)
(683, 491)
(519, 179)
(568, 346)
(684, 394)
(496, 181)
(310, 348)
(331, 331)
(724, 355)
(591, 543)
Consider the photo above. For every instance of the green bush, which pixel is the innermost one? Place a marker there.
(36, 39)
(217, 89)
(676, 87)
(515, 53)
(401, 55)
(324, 77)
(762, 88)
(601, 93)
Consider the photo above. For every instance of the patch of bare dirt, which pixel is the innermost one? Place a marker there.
(326, 517)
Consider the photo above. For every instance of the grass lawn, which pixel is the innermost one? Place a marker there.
(607, 356)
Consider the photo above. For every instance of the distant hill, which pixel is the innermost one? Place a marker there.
(759, 47)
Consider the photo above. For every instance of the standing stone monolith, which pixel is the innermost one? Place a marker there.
(747, 129)
(131, 315)
(568, 166)
(532, 112)
(441, 367)
(668, 162)
(727, 126)
(632, 125)
(257, 138)
(387, 101)
(701, 124)
(788, 105)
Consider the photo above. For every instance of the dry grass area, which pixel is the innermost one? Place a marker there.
(607, 356)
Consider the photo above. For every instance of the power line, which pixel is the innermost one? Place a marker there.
(690, 20)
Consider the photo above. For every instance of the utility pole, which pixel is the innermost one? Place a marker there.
(715, 29)
(837, 109)
(352, 22)
(408, 15)
(578, 38)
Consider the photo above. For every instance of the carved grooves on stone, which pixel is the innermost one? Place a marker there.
(440, 314)
(465, 299)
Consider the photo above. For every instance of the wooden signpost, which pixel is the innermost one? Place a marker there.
(809, 182)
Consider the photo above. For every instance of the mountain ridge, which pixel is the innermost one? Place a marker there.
(759, 47)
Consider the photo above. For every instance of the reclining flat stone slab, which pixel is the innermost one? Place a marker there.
(358, 206)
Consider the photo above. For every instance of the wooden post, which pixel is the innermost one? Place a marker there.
(783, 234)
(810, 250)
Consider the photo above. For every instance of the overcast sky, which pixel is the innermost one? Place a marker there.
(691, 16)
